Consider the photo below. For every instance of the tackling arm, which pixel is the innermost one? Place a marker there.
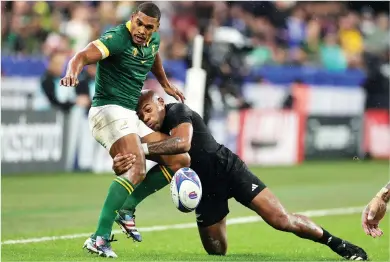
(178, 143)
(159, 73)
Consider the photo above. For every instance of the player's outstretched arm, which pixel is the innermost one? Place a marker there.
(179, 142)
(159, 72)
(89, 55)
(375, 211)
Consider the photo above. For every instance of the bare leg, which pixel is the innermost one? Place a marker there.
(156, 178)
(272, 211)
(123, 185)
(131, 144)
(268, 206)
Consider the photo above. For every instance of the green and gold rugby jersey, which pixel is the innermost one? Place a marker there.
(120, 75)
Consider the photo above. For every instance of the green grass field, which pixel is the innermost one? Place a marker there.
(35, 206)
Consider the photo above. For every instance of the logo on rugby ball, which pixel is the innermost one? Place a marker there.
(192, 195)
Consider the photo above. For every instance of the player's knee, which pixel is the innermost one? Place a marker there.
(281, 222)
(182, 160)
(217, 249)
(136, 174)
(139, 177)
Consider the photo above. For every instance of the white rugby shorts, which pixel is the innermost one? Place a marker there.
(108, 123)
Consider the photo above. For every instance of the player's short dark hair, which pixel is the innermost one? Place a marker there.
(150, 9)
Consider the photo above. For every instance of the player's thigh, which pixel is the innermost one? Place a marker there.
(116, 129)
(244, 185)
(211, 219)
(268, 206)
(250, 191)
(174, 162)
(110, 123)
(214, 238)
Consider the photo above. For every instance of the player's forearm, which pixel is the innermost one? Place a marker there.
(170, 146)
(384, 193)
(76, 64)
(158, 71)
(89, 55)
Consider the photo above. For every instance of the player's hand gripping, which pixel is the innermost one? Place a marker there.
(175, 92)
(372, 215)
(69, 80)
(122, 163)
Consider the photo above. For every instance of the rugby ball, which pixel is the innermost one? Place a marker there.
(186, 190)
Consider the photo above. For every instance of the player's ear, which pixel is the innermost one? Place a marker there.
(161, 101)
(156, 26)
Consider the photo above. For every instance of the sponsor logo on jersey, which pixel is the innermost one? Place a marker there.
(254, 187)
(135, 51)
(124, 125)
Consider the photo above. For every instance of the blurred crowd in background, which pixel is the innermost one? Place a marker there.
(326, 34)
(238, 37)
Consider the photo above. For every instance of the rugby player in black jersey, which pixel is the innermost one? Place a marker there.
(223, 175)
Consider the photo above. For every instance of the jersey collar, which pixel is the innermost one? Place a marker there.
(128, 26)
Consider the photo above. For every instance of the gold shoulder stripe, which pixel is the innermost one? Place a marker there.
(103, 49)
(150, 39)
(128, 25)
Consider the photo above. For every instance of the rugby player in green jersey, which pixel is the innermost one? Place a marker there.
(124, 56)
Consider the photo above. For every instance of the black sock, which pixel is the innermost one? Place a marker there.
(329, 240)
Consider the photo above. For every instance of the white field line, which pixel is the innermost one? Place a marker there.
(231, 221)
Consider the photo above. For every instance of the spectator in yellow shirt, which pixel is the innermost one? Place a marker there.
(351, 39)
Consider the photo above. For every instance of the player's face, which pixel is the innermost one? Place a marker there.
(152, 113)
(142, 27)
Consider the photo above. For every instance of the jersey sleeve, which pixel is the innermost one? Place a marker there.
(178, 114)
(112, 42)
